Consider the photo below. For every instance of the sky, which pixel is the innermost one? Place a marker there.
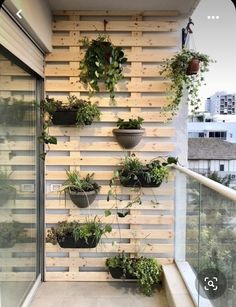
(217, 38)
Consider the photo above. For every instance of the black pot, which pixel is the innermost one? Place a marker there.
(117, 273)
(69, 242)
(64, 118)
(83, 199)
(128, 138)
(137, 183)
(146, 184)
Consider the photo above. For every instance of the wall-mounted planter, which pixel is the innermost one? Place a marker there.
(64, 118)
(117, 273)
(83, 199)
(138, 183)
(128, 138)
(193, 67)
(69, 242)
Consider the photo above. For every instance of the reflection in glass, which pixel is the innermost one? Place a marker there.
(18, 186)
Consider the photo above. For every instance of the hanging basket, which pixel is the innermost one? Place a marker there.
(128, 138)
(64, 118)
(193, 67)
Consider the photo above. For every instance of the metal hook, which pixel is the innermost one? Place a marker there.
(105, 22)
(186, 31)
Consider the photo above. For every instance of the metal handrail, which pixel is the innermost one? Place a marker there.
(218, 187)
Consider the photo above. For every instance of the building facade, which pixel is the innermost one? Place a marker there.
(221, 103)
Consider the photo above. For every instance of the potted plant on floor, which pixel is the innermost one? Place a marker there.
(11, 233)
(6, 188)
(129, 133)
(82, 190)
(147, 271)
(102, 63)
(185, 70)
(76, 235)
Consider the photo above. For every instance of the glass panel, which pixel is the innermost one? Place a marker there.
(218, 244)
(18, 185)
(205, 246)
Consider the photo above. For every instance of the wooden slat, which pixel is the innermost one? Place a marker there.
(157, 101)
(126, 26)
(151, 57)
(109, 248)
(86, 262)
(157, 41)
(134, 219)
(110, 146)
(161, 132)
(76, 86)
(67, 71)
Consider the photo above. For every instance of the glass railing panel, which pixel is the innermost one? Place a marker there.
(205, 246)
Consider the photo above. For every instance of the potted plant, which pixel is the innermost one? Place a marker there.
(11, 233)
(183, 71)
(76, 235)
(102, 63)
(147, 271)
(6, 188)
(134, 173)
(129, 133)
(82, 191)
(76, 112)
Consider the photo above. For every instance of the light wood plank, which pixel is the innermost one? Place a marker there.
(117, 26)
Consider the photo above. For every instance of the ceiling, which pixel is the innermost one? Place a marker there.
(185, 7)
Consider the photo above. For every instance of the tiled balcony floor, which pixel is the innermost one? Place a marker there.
(95, 294)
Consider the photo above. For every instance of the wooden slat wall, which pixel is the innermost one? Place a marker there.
(147, 39)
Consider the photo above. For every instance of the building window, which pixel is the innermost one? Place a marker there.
(222, 167)
(201, 134)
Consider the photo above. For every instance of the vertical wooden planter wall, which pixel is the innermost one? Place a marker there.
(148, 229)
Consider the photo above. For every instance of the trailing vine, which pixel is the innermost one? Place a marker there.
(102, 63)
(175, 69)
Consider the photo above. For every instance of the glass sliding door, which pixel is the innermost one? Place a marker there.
(19, 253)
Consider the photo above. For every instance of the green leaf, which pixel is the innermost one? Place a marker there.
(107, 212)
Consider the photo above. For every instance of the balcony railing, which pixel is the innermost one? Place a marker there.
(205, 239)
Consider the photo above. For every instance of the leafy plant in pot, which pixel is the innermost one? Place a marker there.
(147, 271)
(11, 233)
(184, 72)
(134, 173)
(129, 133)
(77, 112)
(76, 235)
(102, 63)
(6, 188)
(82, 191)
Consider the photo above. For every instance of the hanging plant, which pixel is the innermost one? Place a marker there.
(185, 70)
(102, 63)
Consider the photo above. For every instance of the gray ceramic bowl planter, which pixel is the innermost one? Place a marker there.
(83, 199)
(128, 138)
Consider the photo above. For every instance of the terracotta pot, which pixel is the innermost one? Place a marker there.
(128, 138)
(193, 67)
(83, 199)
